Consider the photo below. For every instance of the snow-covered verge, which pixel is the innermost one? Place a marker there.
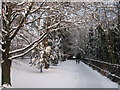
(66, 75)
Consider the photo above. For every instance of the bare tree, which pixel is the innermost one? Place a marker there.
(15, 17)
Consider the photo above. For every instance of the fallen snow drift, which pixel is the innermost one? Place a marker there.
(66, 75)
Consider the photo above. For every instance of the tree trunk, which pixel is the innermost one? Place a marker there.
(6, 66)
(46, 65)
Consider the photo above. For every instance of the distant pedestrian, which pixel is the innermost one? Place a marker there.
(41, 66)
(78, 58)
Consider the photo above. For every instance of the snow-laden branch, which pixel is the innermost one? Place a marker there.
(1, 35)
(1, 42)
(14, 28)
(4, 31)
(29, 46)
(30, 49)
(14, 17)
(40, 18)
(22, 22)
(2, 50)
(58, 29)
(31, 34)
(5, 18)
(50, 27)
(38, 7)
(21, 35)
(21, 4)
(68, 21)
(48, 16)
(36, 18)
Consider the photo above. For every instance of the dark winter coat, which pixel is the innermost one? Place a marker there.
(78, 56)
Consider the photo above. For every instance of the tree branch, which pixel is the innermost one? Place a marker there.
(23, 49)
(30, 49)
(22, 22)
(14, 17)
(24, 38)
(37, 8)
(26, 48)
(36, 18)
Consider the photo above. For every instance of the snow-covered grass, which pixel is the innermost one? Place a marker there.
(66, 75)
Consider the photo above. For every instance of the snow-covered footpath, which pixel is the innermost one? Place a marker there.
(66, 75)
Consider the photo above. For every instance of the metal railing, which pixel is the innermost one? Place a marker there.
(112, 71)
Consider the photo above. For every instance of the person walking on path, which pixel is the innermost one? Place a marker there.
(78, 58)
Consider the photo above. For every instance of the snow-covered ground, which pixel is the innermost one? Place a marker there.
(66, 75)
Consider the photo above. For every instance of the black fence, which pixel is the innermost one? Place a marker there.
(112, 71)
